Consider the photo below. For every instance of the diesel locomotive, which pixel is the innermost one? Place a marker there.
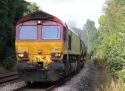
(46, 49)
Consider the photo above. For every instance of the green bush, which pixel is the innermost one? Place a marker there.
(9, 62)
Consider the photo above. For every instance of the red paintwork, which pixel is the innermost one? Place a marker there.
(38, 17)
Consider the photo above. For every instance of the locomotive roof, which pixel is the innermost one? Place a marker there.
(39, 15)
(71, 29)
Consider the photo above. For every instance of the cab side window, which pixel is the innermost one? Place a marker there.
(69, 42)
(64, 34)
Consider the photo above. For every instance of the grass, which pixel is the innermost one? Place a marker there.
(107, 81)
(114, 86)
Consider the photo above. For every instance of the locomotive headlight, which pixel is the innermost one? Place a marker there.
(21, 55)
(39, 22)
(56, 55)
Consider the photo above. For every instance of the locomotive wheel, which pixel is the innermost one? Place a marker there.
(78, 65)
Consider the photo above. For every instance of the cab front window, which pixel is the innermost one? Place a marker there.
(27, 32)
(51, 32)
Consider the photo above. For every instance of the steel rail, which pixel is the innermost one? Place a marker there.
(4, 78)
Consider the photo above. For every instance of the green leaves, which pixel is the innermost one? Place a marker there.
(111, 38)
(90, 35)
(31, 7)
(9, 62)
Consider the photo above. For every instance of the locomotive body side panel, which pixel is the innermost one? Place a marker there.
(72, 44)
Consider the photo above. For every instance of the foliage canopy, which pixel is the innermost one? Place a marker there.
(111, 37)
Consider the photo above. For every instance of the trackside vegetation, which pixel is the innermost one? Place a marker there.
(109, 46)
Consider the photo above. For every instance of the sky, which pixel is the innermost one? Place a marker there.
(73, 12)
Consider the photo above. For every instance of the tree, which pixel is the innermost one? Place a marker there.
(90, 34)
(31, 7)
(111, 40)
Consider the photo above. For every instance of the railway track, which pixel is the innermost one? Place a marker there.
(39, 86)
(8, 77)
